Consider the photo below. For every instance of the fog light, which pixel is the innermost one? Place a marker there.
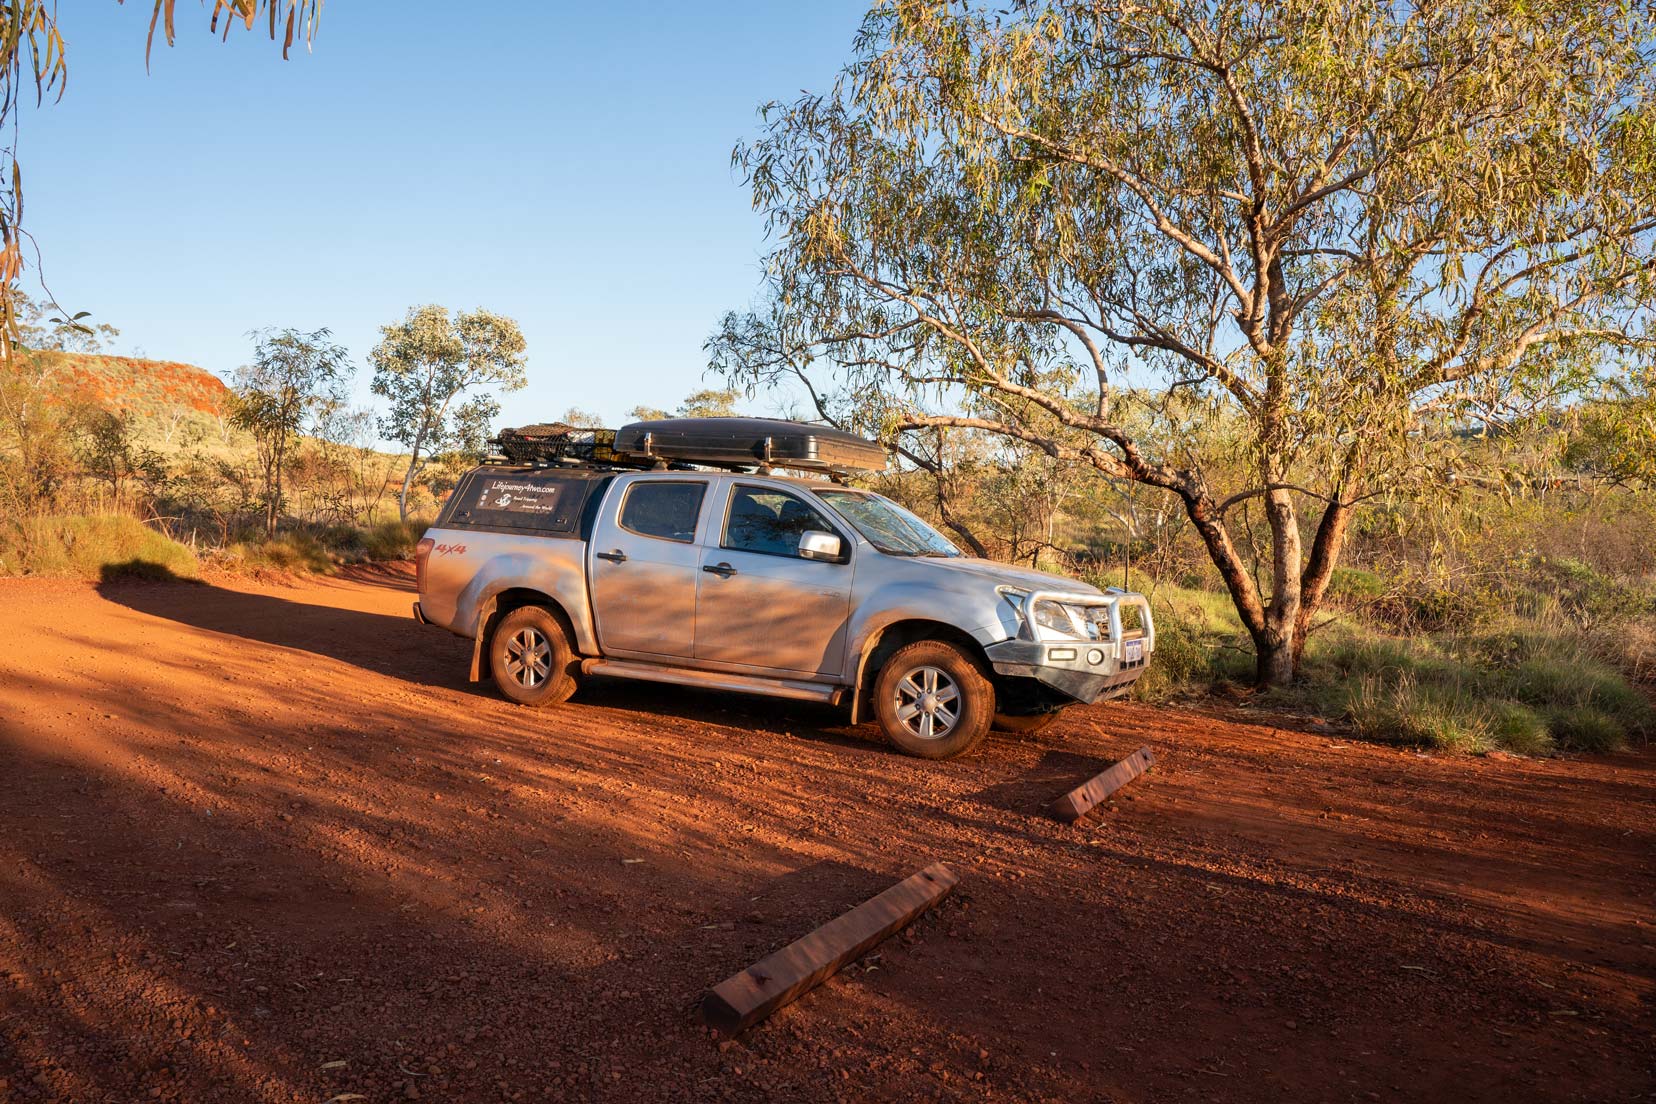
(1061, 653)
(1095, 657)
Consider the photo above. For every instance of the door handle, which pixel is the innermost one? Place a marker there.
(617, 556)
(723, 570)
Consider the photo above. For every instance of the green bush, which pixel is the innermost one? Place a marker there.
(392, 540)
(1404, 710)
(1584, 728)
(1586, 594)
(95, 547)
(1198, 643)
(1519, 728)
(295, 552)
(1181, 661)
(1353, 585)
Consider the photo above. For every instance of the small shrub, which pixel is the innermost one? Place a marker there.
(1355, 655)
(1439, 609)
(96, 547)
(1588, 595)
(1198, 640)
(1574, 679)
(1407, 711)
(1519, 728)
(1630, 647)
(1181, 661)
(392, 540)
(295, 552)
(1583, 728)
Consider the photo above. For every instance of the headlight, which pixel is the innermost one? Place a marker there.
(1061, 620)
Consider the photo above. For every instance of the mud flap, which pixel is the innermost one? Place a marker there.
(480, 637)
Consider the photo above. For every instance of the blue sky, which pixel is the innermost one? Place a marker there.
(565, 165)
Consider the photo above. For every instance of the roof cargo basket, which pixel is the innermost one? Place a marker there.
(557, 443)
(748, 442)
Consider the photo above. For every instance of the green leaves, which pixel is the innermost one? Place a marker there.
(428, 366)
(1326, 235)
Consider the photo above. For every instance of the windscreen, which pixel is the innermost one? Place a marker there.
(887, 526)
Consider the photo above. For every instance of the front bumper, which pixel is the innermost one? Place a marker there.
(1084, 671)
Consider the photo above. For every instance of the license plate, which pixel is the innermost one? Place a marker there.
(1132, 650)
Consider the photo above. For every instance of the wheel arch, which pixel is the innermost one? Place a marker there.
(882, 642)
(498, 605)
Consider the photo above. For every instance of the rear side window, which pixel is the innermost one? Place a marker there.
(535, 501)
(665, 510)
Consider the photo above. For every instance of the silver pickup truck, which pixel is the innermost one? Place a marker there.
(764, 583)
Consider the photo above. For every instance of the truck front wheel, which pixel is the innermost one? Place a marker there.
(530, 657)
(933, 700)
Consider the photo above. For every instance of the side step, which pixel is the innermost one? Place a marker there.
(713, 680)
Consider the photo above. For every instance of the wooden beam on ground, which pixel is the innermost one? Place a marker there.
(1080, 801)
(744, 999)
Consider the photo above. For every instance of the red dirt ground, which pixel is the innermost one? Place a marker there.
(266, 844)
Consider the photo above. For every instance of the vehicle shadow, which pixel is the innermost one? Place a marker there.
(823, 724)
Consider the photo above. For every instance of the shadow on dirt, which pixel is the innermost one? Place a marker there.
(428, 656)
(1033, 792)
(825, 724)
(373, 641)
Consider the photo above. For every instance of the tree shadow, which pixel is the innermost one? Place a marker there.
(1034, 791)
(376, 642)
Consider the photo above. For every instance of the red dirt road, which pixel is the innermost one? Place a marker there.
(266, 844)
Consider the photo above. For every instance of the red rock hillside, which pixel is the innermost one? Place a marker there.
(153, 388)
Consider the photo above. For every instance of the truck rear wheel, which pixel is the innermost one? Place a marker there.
(530, 657)
(933, 700)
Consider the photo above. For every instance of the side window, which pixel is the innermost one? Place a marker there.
(765, 520)
(664, 510)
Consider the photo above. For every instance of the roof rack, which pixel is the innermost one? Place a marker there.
(731, 444)
(556, 443)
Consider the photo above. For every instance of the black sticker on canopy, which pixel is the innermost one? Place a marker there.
(538, 502)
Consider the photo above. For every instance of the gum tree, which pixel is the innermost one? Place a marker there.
(1175, 241)
(294, 379)
(436, 371)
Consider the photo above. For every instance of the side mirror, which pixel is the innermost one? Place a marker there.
(817, 545)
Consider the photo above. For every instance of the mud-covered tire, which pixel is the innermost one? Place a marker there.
(1026, 725)
(933, 700)
(530, 657)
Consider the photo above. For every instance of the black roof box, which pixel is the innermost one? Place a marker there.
(737, 441)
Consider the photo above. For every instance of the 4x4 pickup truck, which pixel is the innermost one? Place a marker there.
(758, 582)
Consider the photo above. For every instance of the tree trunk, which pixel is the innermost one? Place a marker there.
(1278, 652)
(961, 530)
(1276, 626)
(1325, 555)
(273, 496)
(402, 495)
(1204, 515)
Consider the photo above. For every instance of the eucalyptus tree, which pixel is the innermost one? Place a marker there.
(294, 379)
(1318, 233)
(437, 372)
